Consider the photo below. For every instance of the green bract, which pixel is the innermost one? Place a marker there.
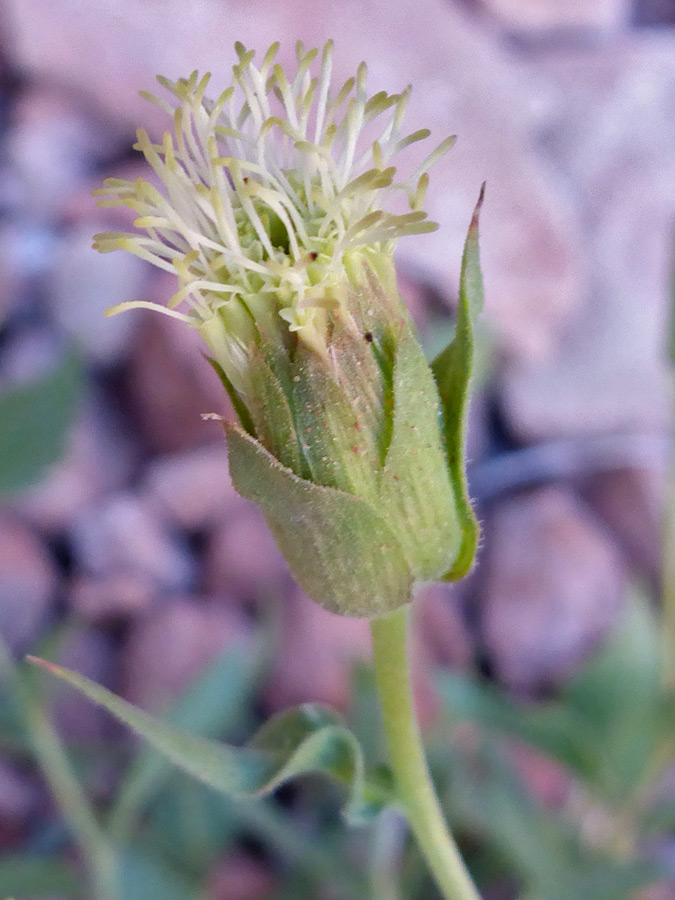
(275, 216)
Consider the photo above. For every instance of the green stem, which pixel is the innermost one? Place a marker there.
(415, 788)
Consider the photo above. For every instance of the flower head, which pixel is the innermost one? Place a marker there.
(279, 210)
(271, 194)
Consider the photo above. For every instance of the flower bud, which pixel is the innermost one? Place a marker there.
(275, 215)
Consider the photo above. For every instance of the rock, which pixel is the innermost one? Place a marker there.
(112, 597)
(19, 795)
(83, 284)
(653, 12)
(241, 877)
(100, 457)
(316, 654)
(192, 489)
(554, 585)
(171, 646)
(50, 148)
(242, 558)
(546, 16)
(89, 652)
(601, 395)
(123, 535)
(465, 82)
(30, 353)
(29, 582)
(170, 386)
(612, 140)
(26, 253)
(631, 503)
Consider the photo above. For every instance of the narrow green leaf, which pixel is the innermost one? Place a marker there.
(620, 697)
(661, 817)
(546, 852)
(416, 493)
(601, 879)
(552, 727)
(33, 875)
(12, 727)
(34, 422)
(340, 551)
(207, 708)
(604, 724)
(189, 823)
(195, 826)
(307, 739)
(485, 795)
(452, 370)
(144, 876)
(611, 880)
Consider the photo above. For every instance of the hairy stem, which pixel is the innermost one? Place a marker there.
(416, 790)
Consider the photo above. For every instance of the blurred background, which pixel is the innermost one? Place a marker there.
(125, 552)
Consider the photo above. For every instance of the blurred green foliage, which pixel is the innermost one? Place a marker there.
(35, 419)
(610, 729)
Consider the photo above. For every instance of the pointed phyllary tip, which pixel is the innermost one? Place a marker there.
(50, 667)
(473, 227)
